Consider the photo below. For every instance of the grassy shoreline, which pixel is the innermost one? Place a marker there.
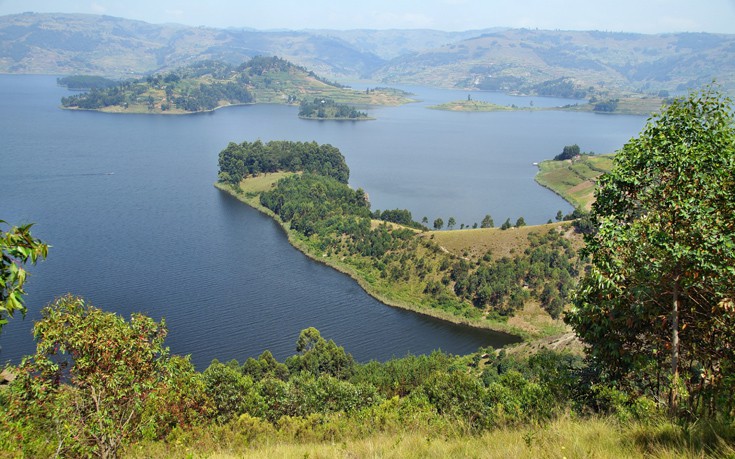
(574, 180)
(251, 198)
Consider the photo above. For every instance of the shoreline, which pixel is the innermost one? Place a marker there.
(496, 327)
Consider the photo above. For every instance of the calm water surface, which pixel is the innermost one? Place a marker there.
(128, 205)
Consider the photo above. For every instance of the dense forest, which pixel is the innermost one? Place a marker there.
(237, 162)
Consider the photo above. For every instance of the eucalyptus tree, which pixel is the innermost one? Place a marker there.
(657, 306)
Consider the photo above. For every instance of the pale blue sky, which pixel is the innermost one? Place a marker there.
(644, 16)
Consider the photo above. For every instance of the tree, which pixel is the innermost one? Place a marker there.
(559, 216)
(569, 152)
(94, 375)
(451, 222)
(520, 222)
(506, 225)
(425, 221)
(18, 247)
(658, 299)
(487, 222)
(438, 224)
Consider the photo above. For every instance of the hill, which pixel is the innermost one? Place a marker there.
(104, 45)
(555, 63)
(567, 64)
(209, 85)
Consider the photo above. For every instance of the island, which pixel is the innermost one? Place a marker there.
(328, 109)
(209, 85)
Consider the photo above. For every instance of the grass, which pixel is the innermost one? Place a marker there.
(474, 243)
(565, 437)
(574, 180)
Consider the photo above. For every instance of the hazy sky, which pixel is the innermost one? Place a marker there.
(645, 16)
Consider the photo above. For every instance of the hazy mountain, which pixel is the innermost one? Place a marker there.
(510, 60)
(521, 59)
(76, 43)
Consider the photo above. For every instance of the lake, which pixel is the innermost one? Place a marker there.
(127, 203)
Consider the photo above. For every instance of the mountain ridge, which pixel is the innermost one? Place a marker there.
(511, 60)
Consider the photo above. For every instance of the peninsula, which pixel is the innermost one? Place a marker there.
(459, 276)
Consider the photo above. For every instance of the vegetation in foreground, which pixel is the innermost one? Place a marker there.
(208, 85)
(102, 386)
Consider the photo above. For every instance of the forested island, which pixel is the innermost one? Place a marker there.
(208, 85)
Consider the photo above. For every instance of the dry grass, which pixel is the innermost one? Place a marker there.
(263, 182)
(474, 243)
(565, 437)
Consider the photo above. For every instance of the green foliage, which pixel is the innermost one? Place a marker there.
(85, 82)
(94, 376)
(17, 247)
(606, 106)
(487, 222)
(657, 306)
(400, 216)
(320, 357)
(569, 152)
(253, 158)
(228, 389)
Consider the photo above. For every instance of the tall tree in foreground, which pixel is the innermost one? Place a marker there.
(17, 247)
(657, 306)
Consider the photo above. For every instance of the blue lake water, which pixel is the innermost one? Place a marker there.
(128, 205)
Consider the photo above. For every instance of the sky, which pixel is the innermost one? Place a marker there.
(641, 16)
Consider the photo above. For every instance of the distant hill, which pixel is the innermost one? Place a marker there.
(109, 46)
(540, 62)
(545, 62)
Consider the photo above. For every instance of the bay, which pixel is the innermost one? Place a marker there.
(128, 205)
